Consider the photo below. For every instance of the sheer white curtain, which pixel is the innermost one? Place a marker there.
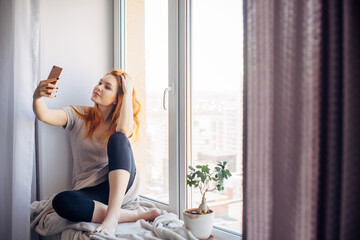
(19, 53)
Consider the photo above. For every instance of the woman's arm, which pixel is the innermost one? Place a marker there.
(55, 117)
(126, 119)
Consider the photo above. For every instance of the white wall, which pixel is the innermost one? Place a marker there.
(78, 36)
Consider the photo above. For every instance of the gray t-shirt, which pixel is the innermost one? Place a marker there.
(90, 166)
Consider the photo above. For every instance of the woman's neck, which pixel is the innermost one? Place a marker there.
(105, 113)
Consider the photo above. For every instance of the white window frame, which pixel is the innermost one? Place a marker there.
(179, 101)
(119, 34)
(120, 63)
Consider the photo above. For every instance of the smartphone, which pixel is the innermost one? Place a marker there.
(55, 72)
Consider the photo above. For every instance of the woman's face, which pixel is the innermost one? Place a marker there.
(105, 91)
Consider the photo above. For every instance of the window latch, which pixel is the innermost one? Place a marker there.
(168, 89)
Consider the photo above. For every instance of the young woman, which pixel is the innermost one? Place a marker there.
(104, 168)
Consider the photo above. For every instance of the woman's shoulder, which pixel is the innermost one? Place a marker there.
(85, 107)
(81, 109)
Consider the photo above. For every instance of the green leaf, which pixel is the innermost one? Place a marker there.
(198, 166)
(191, 168)
(220, 186)
(205, 168)
(203, 178)
(199, 175)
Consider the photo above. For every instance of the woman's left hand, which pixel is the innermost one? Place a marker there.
(127, 84)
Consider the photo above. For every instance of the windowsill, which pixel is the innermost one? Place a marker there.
(216, 232)
(223, 235)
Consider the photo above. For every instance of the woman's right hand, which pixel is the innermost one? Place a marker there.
(46, 88)
(55, 117)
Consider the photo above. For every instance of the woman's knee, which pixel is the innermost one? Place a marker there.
(118, 145)
(119, 152)
(70, 205)
(61, 200)
(118, 138)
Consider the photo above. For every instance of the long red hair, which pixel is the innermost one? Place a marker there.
(92, 115)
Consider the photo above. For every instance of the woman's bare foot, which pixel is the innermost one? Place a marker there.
(108, 226)
(149, 215)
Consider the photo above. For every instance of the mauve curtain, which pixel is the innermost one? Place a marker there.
(302, 134)
(19, 51)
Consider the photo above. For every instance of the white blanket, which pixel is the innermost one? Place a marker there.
(47, 222)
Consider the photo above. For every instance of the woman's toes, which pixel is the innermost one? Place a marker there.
(151, 214)
(156, 213)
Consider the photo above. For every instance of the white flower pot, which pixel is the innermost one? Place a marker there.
(200, 225)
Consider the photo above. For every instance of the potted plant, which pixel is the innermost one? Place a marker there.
(200, 220)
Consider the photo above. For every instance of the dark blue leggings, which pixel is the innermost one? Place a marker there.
(78, 205)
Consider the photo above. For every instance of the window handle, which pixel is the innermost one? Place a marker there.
(168, 89)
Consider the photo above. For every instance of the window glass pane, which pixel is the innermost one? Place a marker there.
(147, 62)
(216, 37)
